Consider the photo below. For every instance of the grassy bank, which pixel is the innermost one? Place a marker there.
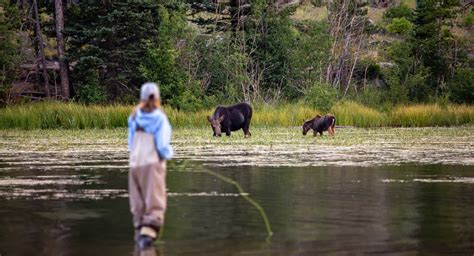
(53, 115)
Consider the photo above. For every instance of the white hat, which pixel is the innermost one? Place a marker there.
(148, 89)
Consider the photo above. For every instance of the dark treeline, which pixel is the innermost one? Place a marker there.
(204, 53)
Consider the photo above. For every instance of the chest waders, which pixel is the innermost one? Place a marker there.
(146, 185)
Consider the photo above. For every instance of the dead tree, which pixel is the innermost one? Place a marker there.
(347, 28)
(63, 67)
(40, 53)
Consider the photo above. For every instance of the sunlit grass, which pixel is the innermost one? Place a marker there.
(54, 115)
(432, 115)
(354, 114)
(310, 12)
(51, 115)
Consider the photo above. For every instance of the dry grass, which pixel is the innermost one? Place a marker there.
(310, 12)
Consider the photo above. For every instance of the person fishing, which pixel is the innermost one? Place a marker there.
(149, 137)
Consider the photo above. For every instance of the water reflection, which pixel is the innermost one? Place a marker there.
(146, 252)
(313, 210)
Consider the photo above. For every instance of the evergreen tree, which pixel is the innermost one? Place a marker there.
(109, 42)
(9, 45)
(433, 39)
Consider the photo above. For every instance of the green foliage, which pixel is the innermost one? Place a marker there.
(418, 87)
(273, 58)
(88, 85)
(275, 50)
(427, 59)
(462, 86)
(401, 53)
(161, 62)
(116, 36)
(286, 53)
(307, 58)
(9, 44)
(400, 26)
(469, 19)
(371, 96)
(400, 11)
(433, 40)
(115, 46)
(321, 96)
(397, 92)
(89, 89)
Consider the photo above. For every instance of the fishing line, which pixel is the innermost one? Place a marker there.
(242, 192)
(246, 197)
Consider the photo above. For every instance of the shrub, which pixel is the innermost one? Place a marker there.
(469, 19)
(462, 86)
(400, 26)
(321, 96)
(400, 11)
(89, 90)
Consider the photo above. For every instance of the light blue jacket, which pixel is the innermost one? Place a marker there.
(155, 123)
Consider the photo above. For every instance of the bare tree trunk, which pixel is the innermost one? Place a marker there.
(41, 48)
(347, 30)
(63, 67)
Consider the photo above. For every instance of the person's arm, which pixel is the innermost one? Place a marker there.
(131, 132)
(163, 139)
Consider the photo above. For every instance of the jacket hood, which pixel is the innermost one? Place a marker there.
(149, 121)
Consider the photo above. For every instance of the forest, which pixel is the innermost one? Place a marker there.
(379, 53)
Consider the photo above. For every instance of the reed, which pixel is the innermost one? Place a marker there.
(350, 113)
(56, 115)
(432, 115)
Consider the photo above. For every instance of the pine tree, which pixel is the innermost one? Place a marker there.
(433, 39)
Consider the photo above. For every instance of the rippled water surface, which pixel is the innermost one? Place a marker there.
(386, 191)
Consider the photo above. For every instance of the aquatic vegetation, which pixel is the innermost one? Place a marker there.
(87, 149)
(55, 115)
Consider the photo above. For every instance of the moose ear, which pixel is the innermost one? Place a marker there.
(221, 118)
(209, 118)
(318, 116)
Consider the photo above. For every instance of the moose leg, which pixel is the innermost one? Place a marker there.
(246, 129)
(321, 133)
(315, 133)
(227, 132)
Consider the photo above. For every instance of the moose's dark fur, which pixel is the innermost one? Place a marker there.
(319, 124)
(233, 118)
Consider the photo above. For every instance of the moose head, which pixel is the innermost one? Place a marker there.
(216, 124)
(307, 125)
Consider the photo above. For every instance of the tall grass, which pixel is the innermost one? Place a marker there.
(54, 115)
(432, 115)
(354, 114)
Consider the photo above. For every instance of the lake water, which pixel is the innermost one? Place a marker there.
(67, 202)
